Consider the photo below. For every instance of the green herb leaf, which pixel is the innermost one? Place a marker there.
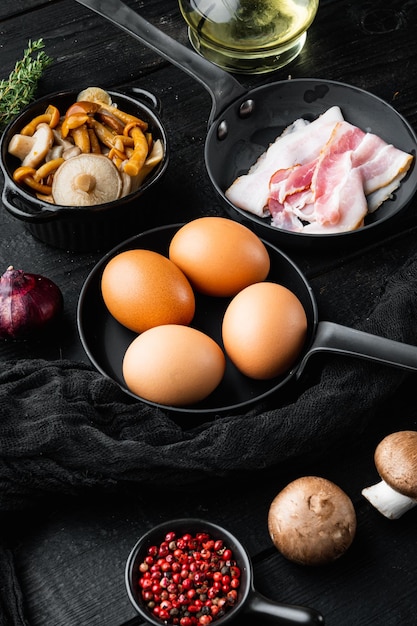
(19, 89)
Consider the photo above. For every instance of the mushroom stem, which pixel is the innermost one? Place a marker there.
(388, 501)
(84, 182)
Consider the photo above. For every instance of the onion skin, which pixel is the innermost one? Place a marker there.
(29, 303)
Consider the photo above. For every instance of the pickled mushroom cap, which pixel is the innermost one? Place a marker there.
(86, 180)
(31, 150)
(94, 94)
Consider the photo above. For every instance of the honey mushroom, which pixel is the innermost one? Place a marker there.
(396, 463)
(32, 149)
(26, 175)
(85, 180)
(89, 127)
(62, 148)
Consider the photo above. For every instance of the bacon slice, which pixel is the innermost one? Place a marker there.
(381, 165)
(323, 176)
(293, 180)
(331, 175)
(376, 198)
(300, 143)
(287, 220)
(345, 205)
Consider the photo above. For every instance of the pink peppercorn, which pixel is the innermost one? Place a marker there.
(189, 580)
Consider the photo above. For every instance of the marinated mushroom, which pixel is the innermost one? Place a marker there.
(312, 521)
(153, 159)
(20, 145)
(62, 148)
(94, 94)
(85, 180)
(32, 150)
(92, 125)
(396, 463)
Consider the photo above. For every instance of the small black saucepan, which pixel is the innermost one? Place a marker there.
(106, 341)
(82, 228)
(243, 123)
(249, 601)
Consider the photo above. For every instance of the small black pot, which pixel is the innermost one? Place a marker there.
(249, 600)
(74, 228)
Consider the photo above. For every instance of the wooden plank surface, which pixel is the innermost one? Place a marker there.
(70, 554)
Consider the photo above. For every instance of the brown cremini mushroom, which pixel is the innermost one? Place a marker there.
(396, 463)
(312, 521)
(87, 179)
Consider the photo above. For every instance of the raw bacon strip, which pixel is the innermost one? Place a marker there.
(298, 208)
(290, 189)
(286, 220)
(278, 181)
(275, 204)
(302, 205)
(335, 177)
(321, 183)
(336, 201)
(291, 181)
(381, 167)
(352, 208)
(376, 198)
(299, 144)
(374, 160)
(352, 204)
(368, 148)
(302, 185)
(334, 166)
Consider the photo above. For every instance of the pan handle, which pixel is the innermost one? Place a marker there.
(222, 87)
(283, 614)
(332, 337)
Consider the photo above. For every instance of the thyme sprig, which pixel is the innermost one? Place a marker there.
(19, 89)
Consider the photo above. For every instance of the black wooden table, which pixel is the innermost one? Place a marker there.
(70, 554)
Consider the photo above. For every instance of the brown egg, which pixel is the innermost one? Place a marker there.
(142, 289)
(264, 329)
(173, 365)
(219, 256)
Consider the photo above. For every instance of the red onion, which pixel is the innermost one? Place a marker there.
(28, 303)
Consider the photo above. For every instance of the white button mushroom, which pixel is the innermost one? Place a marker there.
(312, 521)
(396, 463)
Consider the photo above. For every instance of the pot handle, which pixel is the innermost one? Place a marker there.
(13, 204)
(144, 95)
(284, 614)
(222, 87)
(335, 338)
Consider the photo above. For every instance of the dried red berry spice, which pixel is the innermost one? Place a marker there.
(189, 580)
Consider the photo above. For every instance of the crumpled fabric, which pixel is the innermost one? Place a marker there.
(64, 428)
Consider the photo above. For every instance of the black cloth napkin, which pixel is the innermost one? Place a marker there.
(64, 428)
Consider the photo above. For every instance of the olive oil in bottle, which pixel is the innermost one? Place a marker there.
(248, 36)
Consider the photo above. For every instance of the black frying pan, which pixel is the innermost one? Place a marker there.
(106, 341)
(243, 123)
